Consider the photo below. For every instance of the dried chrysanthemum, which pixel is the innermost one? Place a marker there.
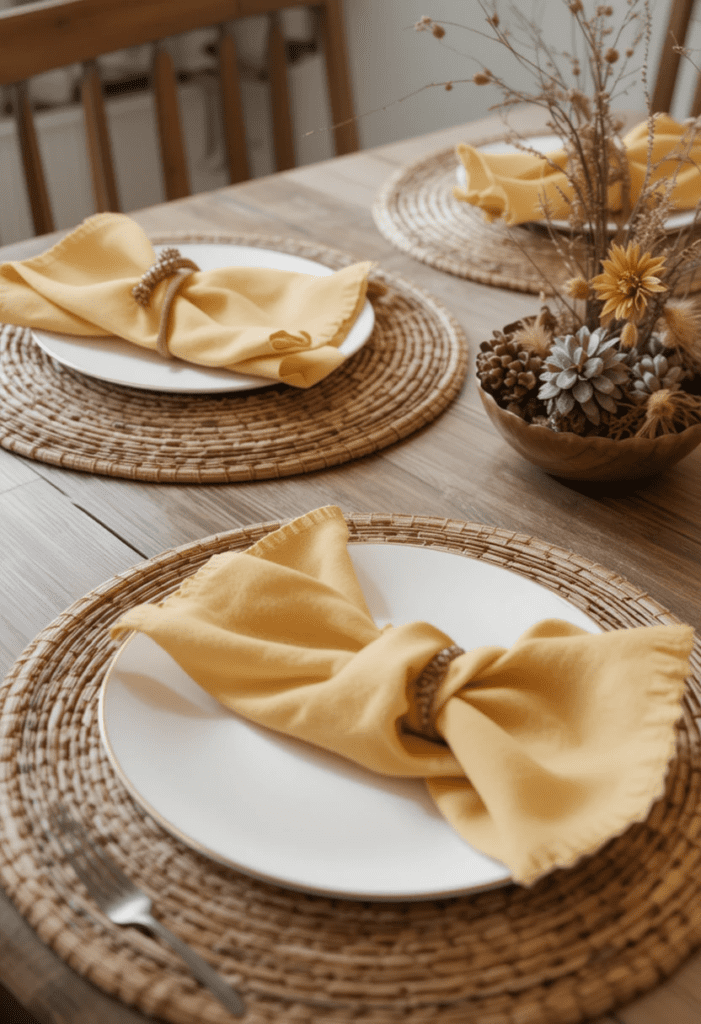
(482, 77)
(680, 326)
(628, 281)
(438, 31)
(611, 55)
(577, 287)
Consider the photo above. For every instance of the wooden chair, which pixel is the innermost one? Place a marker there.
(678, 23)
(51, 34)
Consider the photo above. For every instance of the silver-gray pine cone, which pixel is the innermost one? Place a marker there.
(653, 369)
(583, 370)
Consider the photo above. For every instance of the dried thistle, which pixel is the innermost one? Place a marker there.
(535, 338)
(577, 287)
(668, 412)
(680, 327)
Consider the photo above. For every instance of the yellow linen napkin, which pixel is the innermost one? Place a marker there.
(517, 187)
(548, 749)
(270, 323)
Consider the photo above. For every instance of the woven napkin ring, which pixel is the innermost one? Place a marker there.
(169, 264)
(427, 684)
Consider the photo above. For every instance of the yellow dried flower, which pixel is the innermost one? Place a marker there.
(611, 55)
(577, 288)
(482, 77)
(627, 282)
(629, 335)
(438, 31)
(423, 23)
(448, 86)
(604, 12)
(576, 6)
(680, 325)
(494, 19)
(629, 52)
(534, 338)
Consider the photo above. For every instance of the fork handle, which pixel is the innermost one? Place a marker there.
(199, 967)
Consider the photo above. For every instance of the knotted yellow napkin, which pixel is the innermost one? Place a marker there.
(518, 187)
(270, 323)
(551, 747)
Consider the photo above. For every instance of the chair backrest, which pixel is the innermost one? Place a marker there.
(677, 25)
(52, 34)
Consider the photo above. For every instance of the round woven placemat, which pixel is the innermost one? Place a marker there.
(574, 946)
(416, 211)
(403, 378)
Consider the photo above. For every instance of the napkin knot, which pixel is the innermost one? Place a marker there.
(170, 263)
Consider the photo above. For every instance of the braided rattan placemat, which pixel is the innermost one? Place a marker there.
(574, 946)
(416, 211)
(403, 378)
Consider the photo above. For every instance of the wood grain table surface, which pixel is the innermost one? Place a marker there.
(65, 532)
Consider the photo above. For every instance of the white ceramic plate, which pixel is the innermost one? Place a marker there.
(121, 362)
(278, 809)
(547, 144)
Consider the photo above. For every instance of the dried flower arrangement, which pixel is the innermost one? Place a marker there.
(616, 352)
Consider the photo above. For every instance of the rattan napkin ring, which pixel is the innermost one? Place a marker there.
(426, 687)
(172, 264)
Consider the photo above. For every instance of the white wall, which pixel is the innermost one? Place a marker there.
(389, 60)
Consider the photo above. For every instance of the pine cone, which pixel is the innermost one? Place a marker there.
(573, 422)
(509, 373)
(583, 371)
(654, 368)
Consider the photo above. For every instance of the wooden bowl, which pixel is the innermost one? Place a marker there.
(590, 458)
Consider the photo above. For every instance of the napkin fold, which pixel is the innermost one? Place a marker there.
(517, 187)
(271, 323)
(540, 754)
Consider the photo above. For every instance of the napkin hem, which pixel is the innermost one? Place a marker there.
(645, 787)
(86, 227)
(351, 303)
(295, 526)
(269, 542)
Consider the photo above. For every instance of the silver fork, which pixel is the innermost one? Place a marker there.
(124, 903)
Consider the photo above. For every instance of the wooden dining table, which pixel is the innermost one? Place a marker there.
(65, 532)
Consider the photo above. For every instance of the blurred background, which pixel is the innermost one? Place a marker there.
(390, 65)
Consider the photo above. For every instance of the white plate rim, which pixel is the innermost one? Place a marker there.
(204, 380)
(277, 880)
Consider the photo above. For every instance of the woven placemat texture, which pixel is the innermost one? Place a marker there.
(417, 212)
(407, 373)
(574, 946)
